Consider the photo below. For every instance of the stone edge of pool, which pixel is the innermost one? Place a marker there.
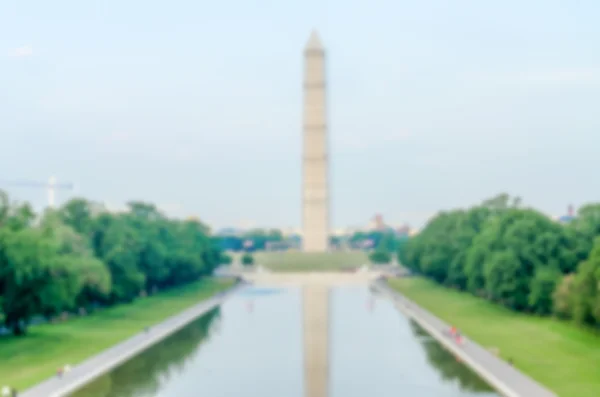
(98, 365)
(504, 378)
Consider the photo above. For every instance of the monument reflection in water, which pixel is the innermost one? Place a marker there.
(341, 342)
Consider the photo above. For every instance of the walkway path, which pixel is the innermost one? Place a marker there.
(110, 358)
(499, 374)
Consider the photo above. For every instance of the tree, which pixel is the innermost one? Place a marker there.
(586, 287)
(585, 228)
(434, 247)
(505, 280)
(226, 259)
(93, 276)
(501, 203)
(34, 278)
(503, 252)
(469, 225)
(402, 251)
(119, 248)
(78, 213)
(526, 240)
(440, 250)
(587, 221)
(386, 241)
(20, 216)
(474, 264)
(247, 259)
(563, 296)
(543, 285)
(4, 207)
(81, 255)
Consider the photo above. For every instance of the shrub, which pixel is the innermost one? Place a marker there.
(247, 260)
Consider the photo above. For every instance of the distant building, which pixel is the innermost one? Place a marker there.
(379, 224)
(569, 217)
(403, 231)
(376, 224)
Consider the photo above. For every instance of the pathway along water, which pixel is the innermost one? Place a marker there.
(252, 346)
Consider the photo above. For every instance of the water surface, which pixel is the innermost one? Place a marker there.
(376, 351)
(252, 347)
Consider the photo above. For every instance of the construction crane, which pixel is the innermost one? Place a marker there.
(51, 186)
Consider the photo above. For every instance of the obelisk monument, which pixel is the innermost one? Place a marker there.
(315, 161)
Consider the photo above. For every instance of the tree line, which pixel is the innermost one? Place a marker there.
(514, 256)
(380, 244)
(80, 256)
(252, 240)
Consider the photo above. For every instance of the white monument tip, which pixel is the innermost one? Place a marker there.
(314, 42)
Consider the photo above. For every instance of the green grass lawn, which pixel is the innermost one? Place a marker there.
(297, 261)
(25, 361)
(558, 354)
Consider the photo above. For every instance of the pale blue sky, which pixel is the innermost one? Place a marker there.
(196, 105)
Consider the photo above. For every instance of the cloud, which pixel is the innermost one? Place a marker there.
(21, 52)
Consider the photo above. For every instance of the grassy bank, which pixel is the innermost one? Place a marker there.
(27, 360)
(558, 354)
(295, 261)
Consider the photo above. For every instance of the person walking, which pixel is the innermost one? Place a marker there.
(458, 337)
